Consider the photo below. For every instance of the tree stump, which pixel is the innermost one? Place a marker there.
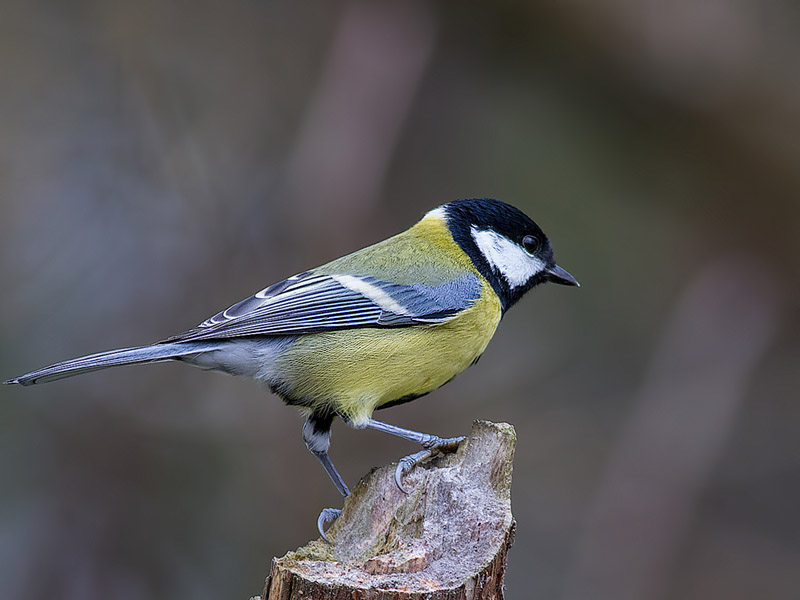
(448, 538)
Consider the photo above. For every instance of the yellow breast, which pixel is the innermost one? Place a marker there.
(355, 371)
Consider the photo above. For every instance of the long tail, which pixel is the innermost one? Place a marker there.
(113, 358)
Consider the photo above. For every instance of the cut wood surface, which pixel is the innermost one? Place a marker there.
(448, 538)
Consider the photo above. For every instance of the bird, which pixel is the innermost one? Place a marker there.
(379, 327)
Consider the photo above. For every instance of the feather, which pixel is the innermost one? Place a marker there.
(112, 358)
(311, 303)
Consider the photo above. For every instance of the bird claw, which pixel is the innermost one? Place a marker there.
(435, 446)
(409, 462)
(326, 516)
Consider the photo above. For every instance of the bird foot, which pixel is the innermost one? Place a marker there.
(327, 516)
(432, 447)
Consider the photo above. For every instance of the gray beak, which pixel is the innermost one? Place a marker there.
(558, 275)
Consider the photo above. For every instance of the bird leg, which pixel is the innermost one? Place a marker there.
(317, 436)
(432, 445)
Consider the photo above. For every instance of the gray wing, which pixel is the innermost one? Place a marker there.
(311, 303)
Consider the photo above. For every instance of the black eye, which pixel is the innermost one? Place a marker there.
(531, 244)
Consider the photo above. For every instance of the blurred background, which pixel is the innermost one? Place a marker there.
(160, 161)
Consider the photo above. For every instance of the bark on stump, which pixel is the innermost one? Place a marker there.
(447, 539)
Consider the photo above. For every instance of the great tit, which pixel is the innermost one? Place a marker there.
(376, 328)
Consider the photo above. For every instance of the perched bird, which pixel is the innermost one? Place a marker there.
(376, 328)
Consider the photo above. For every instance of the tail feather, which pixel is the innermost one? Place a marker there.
(113, 358)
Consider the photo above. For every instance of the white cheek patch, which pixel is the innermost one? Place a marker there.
(513, 263)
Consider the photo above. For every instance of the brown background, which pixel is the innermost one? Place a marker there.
(159, 161)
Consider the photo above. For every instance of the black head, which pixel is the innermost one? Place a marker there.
(505, 245)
